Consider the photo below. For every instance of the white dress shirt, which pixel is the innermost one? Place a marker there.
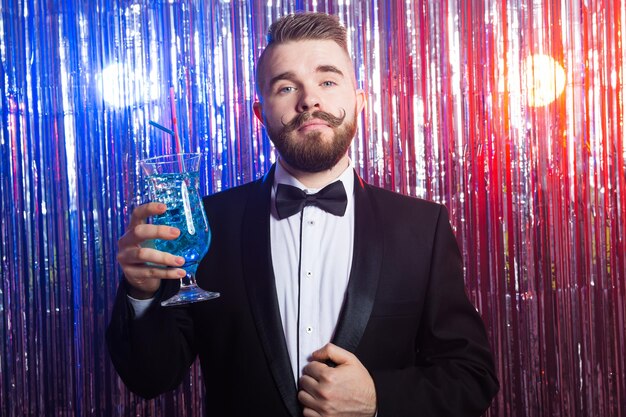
(326, 258)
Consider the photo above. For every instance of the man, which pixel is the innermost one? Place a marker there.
(347, 303)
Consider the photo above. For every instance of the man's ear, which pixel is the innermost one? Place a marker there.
(257, 107)
(361, 101)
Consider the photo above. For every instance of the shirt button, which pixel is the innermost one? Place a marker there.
(309, 330)
(311, 222)
(309, 274)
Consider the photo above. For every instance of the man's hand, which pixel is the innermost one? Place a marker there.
(144, 267)
(344, 390)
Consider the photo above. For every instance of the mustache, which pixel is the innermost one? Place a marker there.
(303, 117)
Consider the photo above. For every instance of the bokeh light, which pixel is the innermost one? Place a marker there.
(545, 79)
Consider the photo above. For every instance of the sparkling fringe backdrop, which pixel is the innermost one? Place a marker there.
(511, 112)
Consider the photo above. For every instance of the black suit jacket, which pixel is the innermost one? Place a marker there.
(406, 315)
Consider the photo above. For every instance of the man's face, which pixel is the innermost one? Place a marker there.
(309, 103)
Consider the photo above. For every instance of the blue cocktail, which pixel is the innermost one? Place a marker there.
(173, 180)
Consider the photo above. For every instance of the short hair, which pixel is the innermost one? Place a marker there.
(307, 26)
(303, 26)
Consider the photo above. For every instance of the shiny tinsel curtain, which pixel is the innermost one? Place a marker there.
(510, 112)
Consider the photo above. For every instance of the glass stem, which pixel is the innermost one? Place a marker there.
(188, 280)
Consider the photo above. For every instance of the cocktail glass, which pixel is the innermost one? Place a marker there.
(173, 180)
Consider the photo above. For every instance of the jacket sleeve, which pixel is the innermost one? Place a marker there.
(454, 372)
(152, 353)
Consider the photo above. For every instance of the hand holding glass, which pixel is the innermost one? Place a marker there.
(173, 180)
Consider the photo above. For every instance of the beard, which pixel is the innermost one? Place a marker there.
(313, 153)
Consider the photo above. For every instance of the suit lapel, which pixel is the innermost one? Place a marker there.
(260, 284)
(365, 271)
(259, 278)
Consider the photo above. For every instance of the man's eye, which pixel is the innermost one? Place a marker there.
(329, 83)
(287, 89)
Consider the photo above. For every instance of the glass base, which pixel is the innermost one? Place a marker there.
(189, 294)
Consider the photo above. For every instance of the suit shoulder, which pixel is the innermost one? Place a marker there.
(395, 202)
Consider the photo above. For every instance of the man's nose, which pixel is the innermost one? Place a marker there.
(309, 101)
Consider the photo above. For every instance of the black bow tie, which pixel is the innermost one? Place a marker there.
(291, 200)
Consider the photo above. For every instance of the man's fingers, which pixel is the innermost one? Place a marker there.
(309, 404)
(141, 233)
(334, 354)
(142, 255)
(315, 370)
(308, 412)
(144, 267)
(145, 280)
(308, 384)
(143, 272)
(145, 232)
(347, 389)
(142, 212)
